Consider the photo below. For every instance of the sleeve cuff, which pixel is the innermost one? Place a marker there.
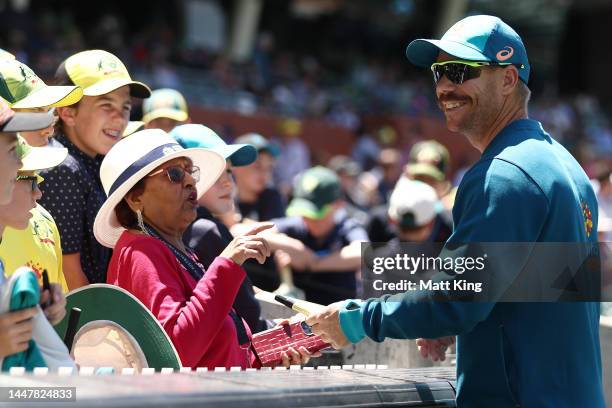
(351, 320)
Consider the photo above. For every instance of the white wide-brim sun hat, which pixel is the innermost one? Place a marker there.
(131, 159)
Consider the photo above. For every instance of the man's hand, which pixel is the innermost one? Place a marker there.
(435, 348)
(326, 324)
(16, 331)
(56, 311)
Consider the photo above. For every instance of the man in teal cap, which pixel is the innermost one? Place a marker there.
(526, 188)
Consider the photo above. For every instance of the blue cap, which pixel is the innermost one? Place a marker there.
(192, 135)
(475, 38)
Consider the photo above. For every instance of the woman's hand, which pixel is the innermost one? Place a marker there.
(300, 356)
(249, 245)
(56, 311)
(16, 331)
(294, 356)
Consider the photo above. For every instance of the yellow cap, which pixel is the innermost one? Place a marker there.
(23, 89)
(99, 72)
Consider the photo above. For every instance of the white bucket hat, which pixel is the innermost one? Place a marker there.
(131, 159)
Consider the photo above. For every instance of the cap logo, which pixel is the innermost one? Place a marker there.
(108, 66)
(27, 73)
(505, 54)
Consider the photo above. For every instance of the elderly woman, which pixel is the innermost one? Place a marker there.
(208, 236)
(153, 186)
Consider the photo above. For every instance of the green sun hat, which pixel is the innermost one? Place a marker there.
(315, 192)
(112, 307)
(23, 89)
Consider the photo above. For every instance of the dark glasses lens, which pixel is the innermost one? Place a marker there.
(176, 174)
(456, 72)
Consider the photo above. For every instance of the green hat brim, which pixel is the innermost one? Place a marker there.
(303, 208)
(425, 169)
(112, 303)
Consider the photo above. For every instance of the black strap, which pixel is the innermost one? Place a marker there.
(197, 272)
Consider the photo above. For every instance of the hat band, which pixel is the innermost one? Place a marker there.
(157, 153)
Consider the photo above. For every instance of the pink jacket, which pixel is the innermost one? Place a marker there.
(194, 314)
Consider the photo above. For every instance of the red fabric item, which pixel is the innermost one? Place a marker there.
(194, 314)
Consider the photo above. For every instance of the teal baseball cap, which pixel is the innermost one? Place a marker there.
(475, 38)
(261, 143)
(193, 135)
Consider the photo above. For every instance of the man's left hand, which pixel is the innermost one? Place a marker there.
(326, 324)
(56, 311)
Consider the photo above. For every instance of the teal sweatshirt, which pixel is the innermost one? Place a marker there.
(525, 188)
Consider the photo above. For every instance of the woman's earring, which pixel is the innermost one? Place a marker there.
(140, 221)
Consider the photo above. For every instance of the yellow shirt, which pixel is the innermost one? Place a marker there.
(37, 247)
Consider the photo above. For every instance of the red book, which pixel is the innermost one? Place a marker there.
(269, 344)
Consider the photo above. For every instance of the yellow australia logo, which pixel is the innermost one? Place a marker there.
(588, 218)
(28, 75)
(108, 66)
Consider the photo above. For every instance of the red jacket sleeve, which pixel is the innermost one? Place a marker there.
(152, 273)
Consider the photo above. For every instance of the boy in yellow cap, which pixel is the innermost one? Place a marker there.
(165, 109)
(72, 191)
(38, 245)
(24, 91)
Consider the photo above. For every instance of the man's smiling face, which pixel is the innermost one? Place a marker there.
(472, 106)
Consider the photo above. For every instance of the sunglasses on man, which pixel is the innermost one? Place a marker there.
(35, 180)
(176, 174)
(460, 71)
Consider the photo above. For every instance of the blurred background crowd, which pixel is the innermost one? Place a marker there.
(326, 80)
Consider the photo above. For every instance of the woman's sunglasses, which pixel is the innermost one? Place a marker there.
(35, 180)
(460, 71)
(176, 174)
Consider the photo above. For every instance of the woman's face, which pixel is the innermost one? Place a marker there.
(169, 206)
(219, 199)
(17, 213)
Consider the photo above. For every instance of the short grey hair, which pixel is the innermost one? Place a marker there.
(523, 92)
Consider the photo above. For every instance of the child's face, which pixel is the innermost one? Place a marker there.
(9, 164)
(17, 213)
(319, 228)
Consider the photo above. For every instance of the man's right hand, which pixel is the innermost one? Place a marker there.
(16, 331)
(435, 348)
(250, 245)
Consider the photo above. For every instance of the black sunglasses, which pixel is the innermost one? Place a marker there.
(176, 174)
(35, 180)
(460, 71)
